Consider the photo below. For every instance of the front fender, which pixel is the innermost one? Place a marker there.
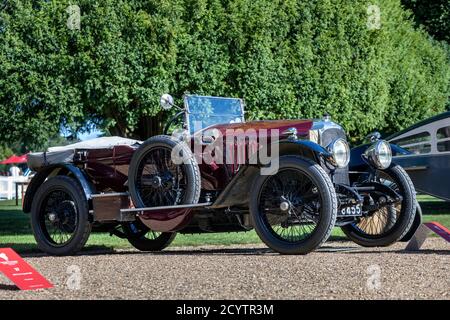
(316, 148)
(303, 148)
(236, 191)
(52, 170)
(357, 162)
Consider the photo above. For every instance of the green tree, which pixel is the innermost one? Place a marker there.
(5, 152)
(287, 59)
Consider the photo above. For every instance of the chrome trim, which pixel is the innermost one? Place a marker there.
(330, 149)
(291, 132)
(415, 168)
(322, 125)
(372, 153)
(110, 194)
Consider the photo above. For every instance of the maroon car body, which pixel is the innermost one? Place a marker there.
(108, 170)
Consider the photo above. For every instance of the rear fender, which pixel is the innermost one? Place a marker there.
(54, 170)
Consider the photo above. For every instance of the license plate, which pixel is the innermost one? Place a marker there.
(351, 211)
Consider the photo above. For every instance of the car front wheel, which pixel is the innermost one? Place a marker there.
(295, 209)
(388, 224)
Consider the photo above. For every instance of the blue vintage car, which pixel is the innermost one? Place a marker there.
(423, 150)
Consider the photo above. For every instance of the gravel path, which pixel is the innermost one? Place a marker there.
(338, 270)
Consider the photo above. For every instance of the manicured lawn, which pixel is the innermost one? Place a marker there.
(15, 230)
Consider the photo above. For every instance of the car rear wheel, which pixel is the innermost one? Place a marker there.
(144, 239)
(389, 224)
(60, 216)
(295, 209)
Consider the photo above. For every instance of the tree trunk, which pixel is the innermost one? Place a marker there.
(147, 127)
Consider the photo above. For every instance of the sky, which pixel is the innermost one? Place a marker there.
(89, 135)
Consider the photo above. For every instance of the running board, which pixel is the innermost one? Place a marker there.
(110, 194)
(161, 208)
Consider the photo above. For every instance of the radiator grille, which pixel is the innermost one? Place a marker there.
(327, 136)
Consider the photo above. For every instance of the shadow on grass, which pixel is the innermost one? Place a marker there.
(435, 207)
(246, 251)
(14, 223)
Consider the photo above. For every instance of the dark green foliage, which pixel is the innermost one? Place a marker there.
(5, 153)
(434, 15)
(287, 59)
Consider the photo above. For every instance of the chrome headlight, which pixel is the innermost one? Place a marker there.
(340, 152)
(379, 154)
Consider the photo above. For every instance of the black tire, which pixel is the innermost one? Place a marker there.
(144, 239)
(404, 217)
(293, 169)
(416, 224)
(60, 207)
(139, 235)
(189, 168)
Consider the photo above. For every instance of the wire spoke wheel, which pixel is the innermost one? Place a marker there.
(390, 223)
(137, 230)
(382, 220)
(58, 217)
(294, 210)
(289, 203)
(156, 179)
(160, 182)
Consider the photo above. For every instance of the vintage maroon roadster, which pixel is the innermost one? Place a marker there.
(290, 180)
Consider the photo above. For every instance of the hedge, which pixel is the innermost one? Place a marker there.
(286, 58)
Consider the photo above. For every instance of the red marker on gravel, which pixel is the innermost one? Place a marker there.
(24, 276)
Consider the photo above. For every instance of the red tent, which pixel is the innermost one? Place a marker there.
(15, 159)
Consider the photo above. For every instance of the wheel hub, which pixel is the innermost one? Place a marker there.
(52, 217)
(64, 216)
(284, 206)
(156, 182)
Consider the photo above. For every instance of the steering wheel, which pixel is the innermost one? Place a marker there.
(172, 121)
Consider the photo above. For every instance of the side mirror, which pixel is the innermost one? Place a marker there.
(166, 101)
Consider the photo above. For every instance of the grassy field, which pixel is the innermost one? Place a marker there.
(15, 230)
